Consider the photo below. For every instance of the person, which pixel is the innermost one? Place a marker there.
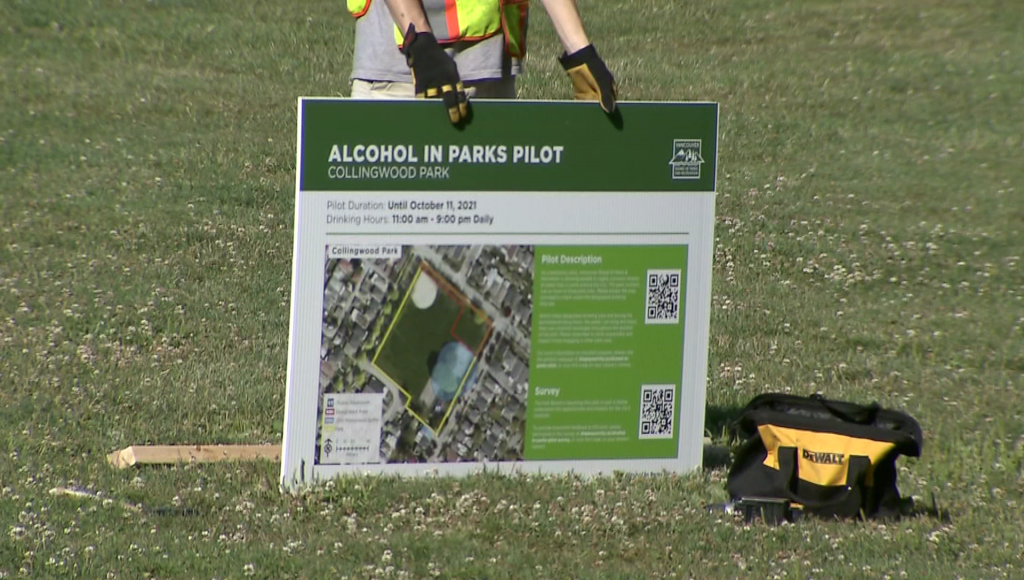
(458, 49)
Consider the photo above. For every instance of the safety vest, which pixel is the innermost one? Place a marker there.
(455, 20)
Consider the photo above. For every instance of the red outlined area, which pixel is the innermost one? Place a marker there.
(463, 303)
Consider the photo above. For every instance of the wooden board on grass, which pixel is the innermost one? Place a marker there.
(167, 454)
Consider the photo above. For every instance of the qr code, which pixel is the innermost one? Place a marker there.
(663, 297)
(657, 411)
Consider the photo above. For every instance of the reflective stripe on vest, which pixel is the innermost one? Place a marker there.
(455, 20)
(514, 23)
(358, 7)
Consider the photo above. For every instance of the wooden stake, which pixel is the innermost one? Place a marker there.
(165, 454)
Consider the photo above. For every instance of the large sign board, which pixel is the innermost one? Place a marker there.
(531, 291)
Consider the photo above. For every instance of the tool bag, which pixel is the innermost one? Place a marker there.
(827, 458)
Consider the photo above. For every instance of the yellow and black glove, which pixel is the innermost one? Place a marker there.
(591, 80)
(434, 73)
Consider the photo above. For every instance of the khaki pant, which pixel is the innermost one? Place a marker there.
(503, 88)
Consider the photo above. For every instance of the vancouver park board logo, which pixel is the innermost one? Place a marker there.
(686, 159)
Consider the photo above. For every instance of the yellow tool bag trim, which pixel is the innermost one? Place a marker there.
(821, 458)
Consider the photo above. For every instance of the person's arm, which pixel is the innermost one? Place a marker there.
(591, 79)
(568, 24)
(434, 73)
(406, 12)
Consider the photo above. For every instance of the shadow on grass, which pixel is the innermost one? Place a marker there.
(933, 511)
(718, 423)
(716, 456)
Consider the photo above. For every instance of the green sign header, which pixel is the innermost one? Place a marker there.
(507, 146)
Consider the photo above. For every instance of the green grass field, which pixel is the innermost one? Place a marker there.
(868, 246)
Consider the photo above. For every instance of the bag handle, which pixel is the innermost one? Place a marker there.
(864, 416)
(855, 473)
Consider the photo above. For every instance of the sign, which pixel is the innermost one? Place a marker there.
(531, 291)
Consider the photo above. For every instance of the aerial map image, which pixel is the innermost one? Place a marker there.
(441, 335)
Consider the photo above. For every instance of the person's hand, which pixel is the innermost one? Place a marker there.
(434, 73)
(591, 80)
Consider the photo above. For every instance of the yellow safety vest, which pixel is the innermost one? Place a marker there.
(455, 20)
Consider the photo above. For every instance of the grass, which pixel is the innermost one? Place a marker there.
(471, 327)
(868, 247)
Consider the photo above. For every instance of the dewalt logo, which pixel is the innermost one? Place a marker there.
(824, 458)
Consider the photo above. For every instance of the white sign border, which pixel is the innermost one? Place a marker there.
(297, 461)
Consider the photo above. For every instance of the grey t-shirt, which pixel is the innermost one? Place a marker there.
(377, 57)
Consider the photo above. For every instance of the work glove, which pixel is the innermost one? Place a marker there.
(434, 73)
(591, 80)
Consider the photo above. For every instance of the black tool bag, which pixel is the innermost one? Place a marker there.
(828, 458)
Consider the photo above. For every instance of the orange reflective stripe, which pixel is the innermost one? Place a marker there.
(463, 20)
(451, 16)
(358, 7)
